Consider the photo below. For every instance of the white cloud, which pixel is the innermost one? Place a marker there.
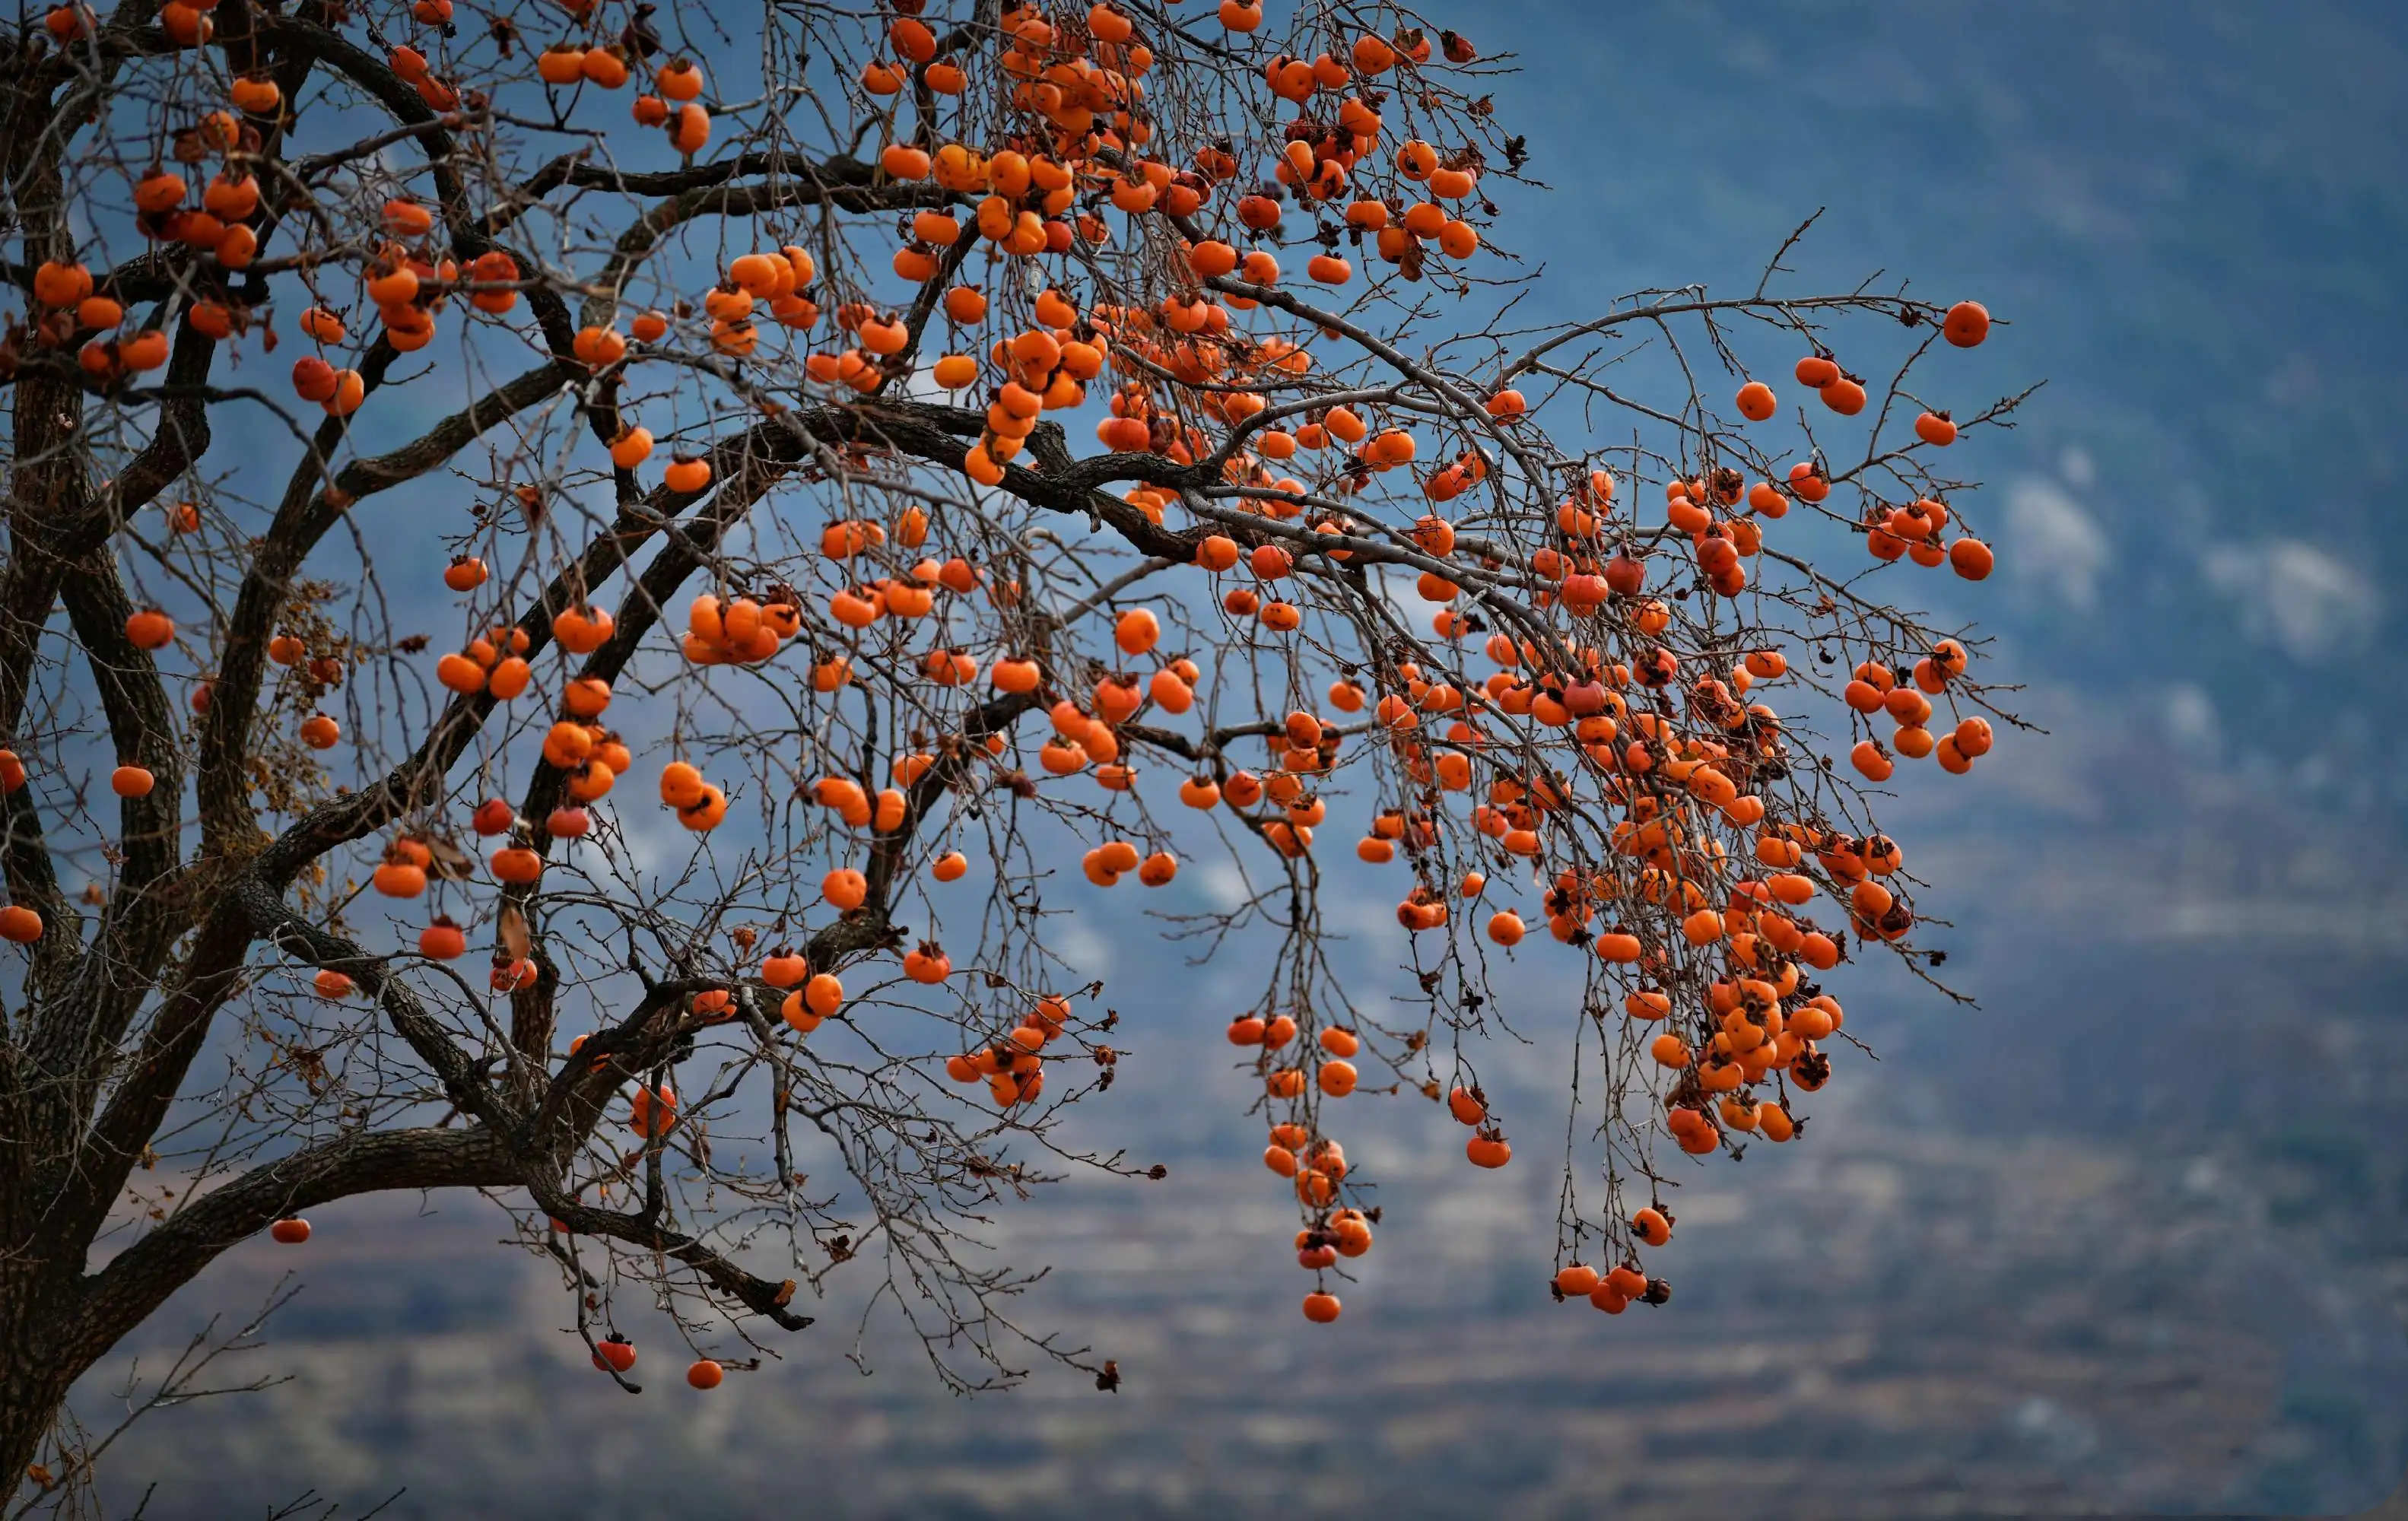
(1223, 885)
(2294, 383)
(651, 843)
(921, 384)
(2190, 721)
(2302, 600)
(1081, 948)
(2053, 539)
(2080, 470)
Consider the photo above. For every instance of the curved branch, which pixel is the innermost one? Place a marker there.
(304, 518)
(139, 1279)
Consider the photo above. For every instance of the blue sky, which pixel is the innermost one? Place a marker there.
(2188, 213)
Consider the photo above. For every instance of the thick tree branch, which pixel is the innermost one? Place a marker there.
(139, 1279)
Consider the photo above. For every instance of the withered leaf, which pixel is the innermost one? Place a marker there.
(511, 927)
(448, 862)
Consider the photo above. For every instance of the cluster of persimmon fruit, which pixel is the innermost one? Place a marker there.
(1674, 781)
(1707, 885)
(1077, 87)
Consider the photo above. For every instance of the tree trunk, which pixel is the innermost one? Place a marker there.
(33, 1383)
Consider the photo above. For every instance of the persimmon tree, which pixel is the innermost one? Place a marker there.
(577, 586)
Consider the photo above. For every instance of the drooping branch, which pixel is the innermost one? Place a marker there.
(310, 509)
(463, 1083)
(134, 1282)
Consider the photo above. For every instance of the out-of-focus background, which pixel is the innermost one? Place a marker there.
(2131, 1237)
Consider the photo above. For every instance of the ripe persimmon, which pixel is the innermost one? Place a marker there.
(1488, 1151)
(150, 630)
(614, 1354)
(1966, 325)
